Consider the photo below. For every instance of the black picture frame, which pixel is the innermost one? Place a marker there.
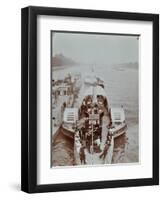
(29, 98)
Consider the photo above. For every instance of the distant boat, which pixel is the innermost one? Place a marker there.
(93, 80)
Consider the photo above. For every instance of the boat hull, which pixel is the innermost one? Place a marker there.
(68, 133)
(119, 130)
(94, 159)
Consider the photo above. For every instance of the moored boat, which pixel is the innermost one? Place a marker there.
(93, 125)
(62, 97)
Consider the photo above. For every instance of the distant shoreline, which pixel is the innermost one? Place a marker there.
(62, 67)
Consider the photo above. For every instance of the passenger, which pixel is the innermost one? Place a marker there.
(109, 137)
(104, 153)
(82, 154)
(89, 110)
(86, 122)
(64, 105)
(95, 110)
(98, 142)
(86, 114)
(83, 107)
(88, 141)
(96, 145)
(82, 136)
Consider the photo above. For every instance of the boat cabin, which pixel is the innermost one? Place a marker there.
(62, 90)
(70, 116)
(117, 116)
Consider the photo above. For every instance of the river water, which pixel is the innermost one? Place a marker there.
(121, 86)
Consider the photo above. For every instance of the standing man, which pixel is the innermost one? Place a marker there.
(104, 153)
(82, 154)
(89, 140)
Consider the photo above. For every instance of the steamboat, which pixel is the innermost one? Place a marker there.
(64, 93)
(93, 125)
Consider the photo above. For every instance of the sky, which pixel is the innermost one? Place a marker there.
(96, 48)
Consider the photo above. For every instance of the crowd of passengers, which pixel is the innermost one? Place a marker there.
(94, 108)
(92, 130)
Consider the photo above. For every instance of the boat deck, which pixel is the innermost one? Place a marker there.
(105, 122)
(94, 158)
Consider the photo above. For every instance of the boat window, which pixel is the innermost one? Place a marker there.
(117, 116)
(70, 117)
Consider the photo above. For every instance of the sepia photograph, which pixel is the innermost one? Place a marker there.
(90, 99)
(94, 99)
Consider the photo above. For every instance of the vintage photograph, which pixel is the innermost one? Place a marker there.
(94, 99)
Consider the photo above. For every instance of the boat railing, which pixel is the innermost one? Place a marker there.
(117, 130)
